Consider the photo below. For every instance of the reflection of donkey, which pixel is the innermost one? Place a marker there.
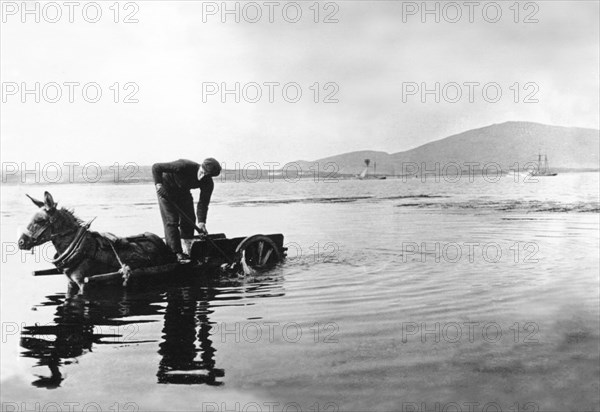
(113, 316)
(82, 253)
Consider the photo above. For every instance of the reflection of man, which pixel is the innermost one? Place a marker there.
(187, 324)
(173, 181)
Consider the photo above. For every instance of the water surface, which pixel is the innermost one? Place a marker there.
(396, 295)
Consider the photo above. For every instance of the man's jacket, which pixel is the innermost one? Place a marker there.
(181, 176)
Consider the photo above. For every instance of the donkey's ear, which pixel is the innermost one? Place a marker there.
(35, 201)
(49, 201)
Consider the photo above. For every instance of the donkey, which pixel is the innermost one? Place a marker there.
(82, 253)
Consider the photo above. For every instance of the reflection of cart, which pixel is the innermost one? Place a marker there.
(210, 253)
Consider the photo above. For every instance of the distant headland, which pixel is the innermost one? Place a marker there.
(503, 147)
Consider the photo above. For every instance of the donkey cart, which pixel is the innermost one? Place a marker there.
(89, 257)
(210, 254)
(214, 254)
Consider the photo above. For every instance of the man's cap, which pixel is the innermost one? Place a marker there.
(211, 167)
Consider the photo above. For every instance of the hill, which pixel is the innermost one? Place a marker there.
(505, 144)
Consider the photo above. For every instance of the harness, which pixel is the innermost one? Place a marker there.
(72, 256)
(36, 235)
(74, 253)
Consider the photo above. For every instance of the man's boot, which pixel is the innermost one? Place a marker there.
(186, 245)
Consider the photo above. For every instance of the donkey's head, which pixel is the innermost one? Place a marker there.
(48, 220)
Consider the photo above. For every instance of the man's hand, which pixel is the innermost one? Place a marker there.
(202, 227)
(162, 192)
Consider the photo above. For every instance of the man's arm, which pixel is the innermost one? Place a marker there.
(206, 190)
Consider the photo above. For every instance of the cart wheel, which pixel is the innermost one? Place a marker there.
(257, 252)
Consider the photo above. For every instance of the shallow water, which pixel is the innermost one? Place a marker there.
(396, 295)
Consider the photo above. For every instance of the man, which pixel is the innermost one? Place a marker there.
(173, 182)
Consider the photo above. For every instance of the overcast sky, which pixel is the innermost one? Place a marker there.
(368, 54)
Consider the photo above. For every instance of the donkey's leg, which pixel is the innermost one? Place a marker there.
(78, 282)
(85, 268)
(72, 289)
